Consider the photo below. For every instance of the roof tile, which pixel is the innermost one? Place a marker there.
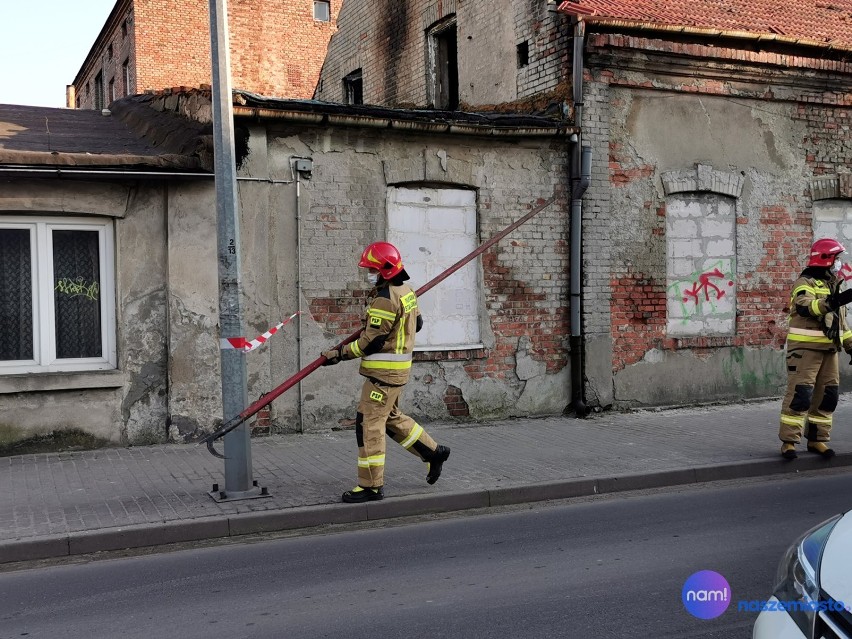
(827, 22)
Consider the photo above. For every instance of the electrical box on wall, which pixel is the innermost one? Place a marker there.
(303, 165)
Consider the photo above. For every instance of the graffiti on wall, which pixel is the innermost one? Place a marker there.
(755, 371)
(78, 287)
(701, 292)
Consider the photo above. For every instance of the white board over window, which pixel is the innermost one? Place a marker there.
(433, 229)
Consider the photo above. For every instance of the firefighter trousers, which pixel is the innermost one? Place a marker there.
(378, 413)
(813, 380)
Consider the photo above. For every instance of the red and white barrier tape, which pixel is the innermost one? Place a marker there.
(241, 343)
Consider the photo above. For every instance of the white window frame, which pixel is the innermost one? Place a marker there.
(327, 4)
(41, 264)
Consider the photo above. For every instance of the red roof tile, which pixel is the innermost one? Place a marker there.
(825, 23)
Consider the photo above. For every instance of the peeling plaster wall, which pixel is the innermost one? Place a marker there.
(669, 135)
(141, 270)
(127, 405)
(653, 133)
(195, 402)
(523, 304)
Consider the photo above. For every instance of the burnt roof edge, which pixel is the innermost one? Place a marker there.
(250, 105)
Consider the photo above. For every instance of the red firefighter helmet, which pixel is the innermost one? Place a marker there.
(384, 257)
(824, 251)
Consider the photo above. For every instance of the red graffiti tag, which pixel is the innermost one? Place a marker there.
(704, 284)
(845, 272)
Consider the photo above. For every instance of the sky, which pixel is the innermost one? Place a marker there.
(43, 44)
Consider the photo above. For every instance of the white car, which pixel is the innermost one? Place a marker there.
(813, 595)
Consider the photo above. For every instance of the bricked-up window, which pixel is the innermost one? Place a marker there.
(56, 279)
(523, 54)
(833, 218)
(701, 264)
(353, 88)
(443, 67)
(322, 10)
(99, 91)
(124, 29)
(109, 52)
(434, 228)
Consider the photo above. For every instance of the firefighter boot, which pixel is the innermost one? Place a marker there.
(821, 448)
(436, 461)
(788, 450)
(359, 495)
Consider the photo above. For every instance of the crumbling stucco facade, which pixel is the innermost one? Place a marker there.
(716, 162)
(131, 402)
(309, 261)
(302, 233)
(706, 197)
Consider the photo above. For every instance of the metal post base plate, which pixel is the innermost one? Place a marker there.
(257, 492)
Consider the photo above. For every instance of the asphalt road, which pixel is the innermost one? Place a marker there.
(594, 568)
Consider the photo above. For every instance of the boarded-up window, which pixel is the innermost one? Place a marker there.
(701, 265)
(434, 229)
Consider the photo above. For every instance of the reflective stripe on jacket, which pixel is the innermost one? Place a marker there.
(386, 345)
(810, 315)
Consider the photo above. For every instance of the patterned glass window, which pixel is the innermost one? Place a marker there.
(16, 312)
(57, 278)
(76, 273)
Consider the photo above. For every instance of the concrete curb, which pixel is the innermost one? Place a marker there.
(145, 535)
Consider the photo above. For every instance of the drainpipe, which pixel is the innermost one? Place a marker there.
(581, 172)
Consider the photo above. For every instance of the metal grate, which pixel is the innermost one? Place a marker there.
(77, 295)
(16, 289)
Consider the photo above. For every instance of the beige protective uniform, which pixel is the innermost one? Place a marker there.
(815, 336)
(386, 348)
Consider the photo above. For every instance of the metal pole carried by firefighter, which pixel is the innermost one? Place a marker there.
(276, 392)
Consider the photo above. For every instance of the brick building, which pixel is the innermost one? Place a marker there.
(448, 54)
(721, 148)
(277, 48)
(720, 154)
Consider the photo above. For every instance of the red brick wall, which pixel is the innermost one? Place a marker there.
(783, 222)
(277, 48)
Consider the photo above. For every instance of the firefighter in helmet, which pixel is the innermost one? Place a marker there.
(385, 349)
(817, 332)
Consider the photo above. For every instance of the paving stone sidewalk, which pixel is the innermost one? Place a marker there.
(69, 503)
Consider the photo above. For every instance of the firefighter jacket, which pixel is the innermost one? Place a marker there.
(386, 345)
(813, 325)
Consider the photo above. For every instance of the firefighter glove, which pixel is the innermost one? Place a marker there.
(836, 300)
(332, 357)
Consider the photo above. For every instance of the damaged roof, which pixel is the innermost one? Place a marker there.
(247, 104)
(40, 136)
(826, 24)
